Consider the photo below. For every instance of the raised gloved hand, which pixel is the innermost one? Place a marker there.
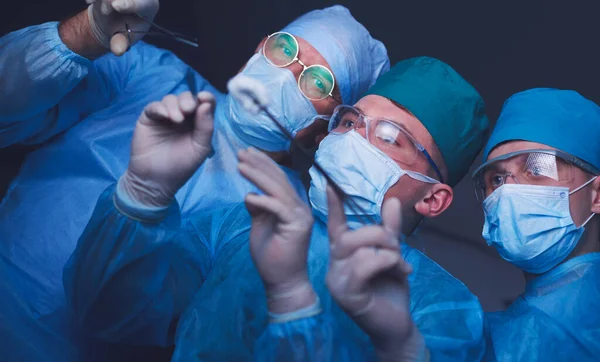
(107, 17)
(369, 279)
(280, 236)
(172, 139)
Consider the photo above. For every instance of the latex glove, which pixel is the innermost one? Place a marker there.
(280, 236)
(108, 17)
(171, 140)
(369, 279)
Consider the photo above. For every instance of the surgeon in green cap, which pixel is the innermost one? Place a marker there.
(267, 295)
(540, 192)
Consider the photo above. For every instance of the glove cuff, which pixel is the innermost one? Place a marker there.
(99, 34)
(307, 312)
(130, 207)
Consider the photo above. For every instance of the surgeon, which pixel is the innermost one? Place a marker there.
(541, 197)
(61, 92)
(135, 269)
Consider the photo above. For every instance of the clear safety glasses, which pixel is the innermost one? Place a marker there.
(159, 31)
(527, 167)
(316, 82)
(389, 137)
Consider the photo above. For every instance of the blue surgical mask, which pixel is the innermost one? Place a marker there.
(294, 111)
(531, 226)
(361, 170)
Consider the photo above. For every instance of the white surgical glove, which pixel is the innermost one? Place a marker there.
(369, 279)
(171, 140)
(280, 235)
(108, 17)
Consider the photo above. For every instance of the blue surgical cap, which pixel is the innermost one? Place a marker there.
(355, 57)
(562, 119)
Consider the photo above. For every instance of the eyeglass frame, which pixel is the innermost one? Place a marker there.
(304, 66)
(402, 129)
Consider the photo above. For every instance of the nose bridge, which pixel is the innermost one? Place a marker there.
(509, 178)
(361, 126)
(304, 66)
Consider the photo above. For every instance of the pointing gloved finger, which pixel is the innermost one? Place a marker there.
(336, 219)
(265, 165)
(391, 216)
(267, 204)
(366, 263)
(172, 104)
(260, 179)
(367, 236)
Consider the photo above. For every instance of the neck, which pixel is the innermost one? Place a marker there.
(281, 157)
(589, 243)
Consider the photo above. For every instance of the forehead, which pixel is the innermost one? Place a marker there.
(309, 55)
(376, 106)
(514, 146)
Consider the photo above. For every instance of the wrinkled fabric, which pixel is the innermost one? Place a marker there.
(352, 53)
(85, 113)
(562, 119)
(231, 304)
(26, 336)
(536, 232)
(289, 107)
(448, 106)
(362, 171)
(555, 319)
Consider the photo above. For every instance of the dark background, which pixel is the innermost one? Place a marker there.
(501, 47)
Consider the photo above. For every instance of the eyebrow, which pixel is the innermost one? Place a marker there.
(395, 122)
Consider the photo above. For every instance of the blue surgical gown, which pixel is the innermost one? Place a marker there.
(556, 319)
(82, 114)
(133, 279)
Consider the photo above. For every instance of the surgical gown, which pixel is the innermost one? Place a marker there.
(556, 319)
(82, 114)
(130, 279)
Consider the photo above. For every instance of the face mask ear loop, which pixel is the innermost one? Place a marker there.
(588, 219)
(579, 188)
(584, 185)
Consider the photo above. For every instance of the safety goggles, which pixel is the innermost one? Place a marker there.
(386, 135)
(316, 82)
(528, 167)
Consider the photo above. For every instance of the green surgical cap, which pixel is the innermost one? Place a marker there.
(445, 103)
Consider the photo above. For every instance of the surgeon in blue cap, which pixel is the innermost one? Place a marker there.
(541, 197)
(63, 93)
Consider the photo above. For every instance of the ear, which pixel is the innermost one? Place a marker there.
(262, 42)
(596, 195)
(436, 200)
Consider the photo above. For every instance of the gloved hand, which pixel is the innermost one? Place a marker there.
(280, 236)
(369, 279)
(108, 17)
(171, 140)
